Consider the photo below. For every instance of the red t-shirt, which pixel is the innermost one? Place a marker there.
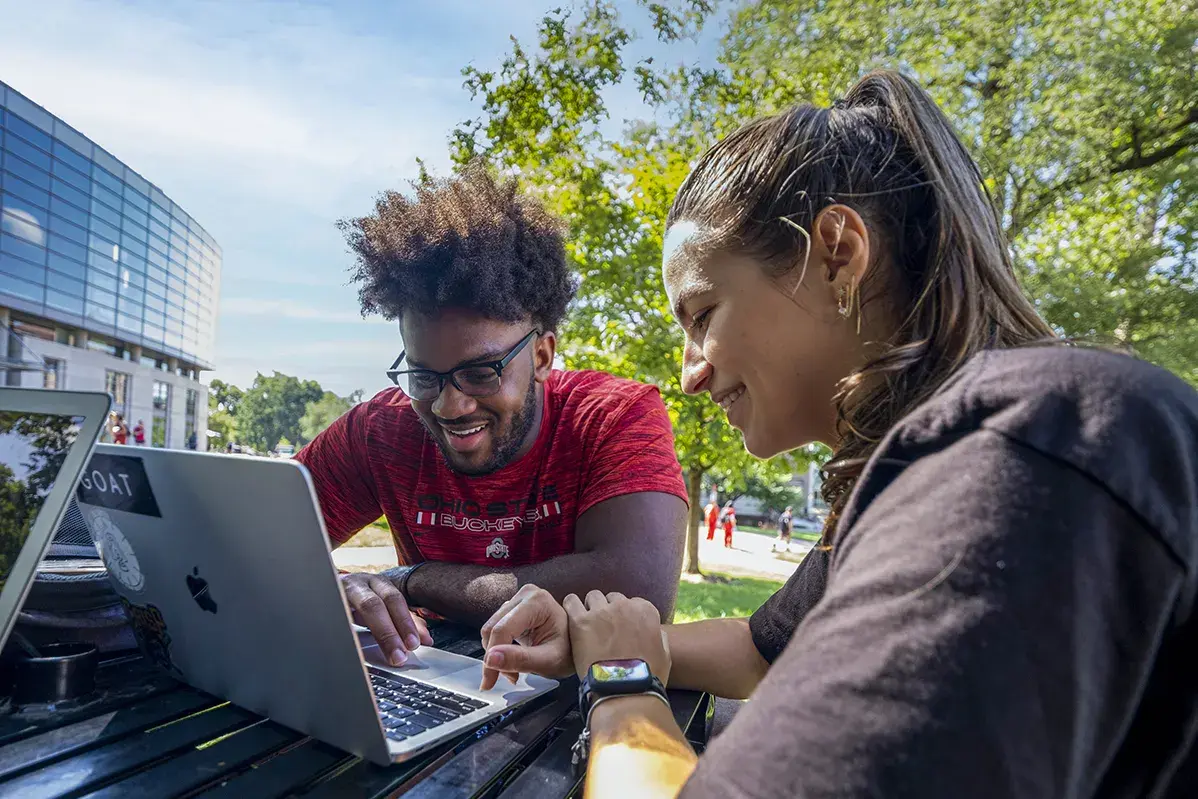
(600, 437)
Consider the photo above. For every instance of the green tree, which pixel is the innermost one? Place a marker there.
(1083, 114)
(224, 424)
(774, 492)
(224, 397)
(223, 400)
(271, 409)
(323, 412)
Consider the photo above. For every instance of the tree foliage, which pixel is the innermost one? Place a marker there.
(1084, 115)
(224, 396)
(775, 493)
(271, 409)
(224, 424)
(318, 415)
(44, 442)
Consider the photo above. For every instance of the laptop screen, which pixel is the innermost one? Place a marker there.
(33, 449)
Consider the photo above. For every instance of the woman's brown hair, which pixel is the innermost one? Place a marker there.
(887, 151)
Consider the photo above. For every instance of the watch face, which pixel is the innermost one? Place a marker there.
(619, 670)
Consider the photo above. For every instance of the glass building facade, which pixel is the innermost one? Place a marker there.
(105, 283)
(88, 244)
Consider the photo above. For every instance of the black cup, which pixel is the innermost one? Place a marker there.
(63, 672)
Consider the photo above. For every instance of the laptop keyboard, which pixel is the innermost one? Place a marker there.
(409, 708)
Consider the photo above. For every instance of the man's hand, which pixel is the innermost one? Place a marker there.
(378, 604)
(614, 627)
(538, 624)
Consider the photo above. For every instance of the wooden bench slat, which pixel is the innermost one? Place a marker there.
(477, 767)
(55, 744)
(98, 767)
(360, 778)
(290, 769)
(363, 779)
(552, 773)
(201, 766)
(124, 681)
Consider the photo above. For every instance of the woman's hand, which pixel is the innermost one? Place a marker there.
(614, 627)
(538, 625)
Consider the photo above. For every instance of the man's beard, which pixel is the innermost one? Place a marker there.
(505, 447)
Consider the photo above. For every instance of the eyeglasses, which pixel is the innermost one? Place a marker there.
(473, 379)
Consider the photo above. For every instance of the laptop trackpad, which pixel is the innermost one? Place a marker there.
(426, 663)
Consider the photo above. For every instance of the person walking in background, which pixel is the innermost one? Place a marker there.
(711, 515)
(728, 516)
(785, 525)
(139, 433)
(120, 432)
(191, 440)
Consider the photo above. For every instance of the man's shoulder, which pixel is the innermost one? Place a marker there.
(588, 382)
(580, 394)
(387, 414)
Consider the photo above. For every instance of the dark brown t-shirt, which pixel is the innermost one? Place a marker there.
(1008, 608)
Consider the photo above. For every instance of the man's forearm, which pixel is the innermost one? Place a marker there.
(470, 594)
(717, 656)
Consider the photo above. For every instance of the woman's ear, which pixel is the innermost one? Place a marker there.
(840, 244)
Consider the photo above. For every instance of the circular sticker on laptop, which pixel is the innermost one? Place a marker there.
(115, 550)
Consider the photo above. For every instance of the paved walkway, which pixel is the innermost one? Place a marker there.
(750, 556)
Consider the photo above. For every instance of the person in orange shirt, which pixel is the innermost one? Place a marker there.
(711, 514)
(729, 518)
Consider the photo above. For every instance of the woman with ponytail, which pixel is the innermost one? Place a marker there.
(1003, 604)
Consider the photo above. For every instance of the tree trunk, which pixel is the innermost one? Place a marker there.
(694, 490)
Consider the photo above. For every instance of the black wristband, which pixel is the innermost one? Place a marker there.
(400, 576)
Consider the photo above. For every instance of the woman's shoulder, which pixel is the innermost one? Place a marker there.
(1129, 425)
(1045, 393)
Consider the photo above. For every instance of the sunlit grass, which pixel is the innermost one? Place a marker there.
(720, 595)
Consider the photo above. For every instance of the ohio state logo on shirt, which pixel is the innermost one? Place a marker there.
(498, 549)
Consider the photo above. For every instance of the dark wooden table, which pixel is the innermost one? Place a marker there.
(149, 736)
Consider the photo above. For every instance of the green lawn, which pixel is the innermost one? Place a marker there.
(721, 596)
(772, 532)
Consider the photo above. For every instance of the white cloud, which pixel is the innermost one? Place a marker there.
(279, 116)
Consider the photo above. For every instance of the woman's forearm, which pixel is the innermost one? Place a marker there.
(637, 751)
(717, 656)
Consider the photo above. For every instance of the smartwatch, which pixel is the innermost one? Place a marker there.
(617, 678)
(607, 679)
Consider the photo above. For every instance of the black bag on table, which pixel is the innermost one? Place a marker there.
(72, 598)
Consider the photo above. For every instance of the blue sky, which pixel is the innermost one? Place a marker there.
(269, 121)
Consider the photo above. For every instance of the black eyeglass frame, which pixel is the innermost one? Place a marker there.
(443, 377)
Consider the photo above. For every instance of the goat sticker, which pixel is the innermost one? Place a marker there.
(117, 482)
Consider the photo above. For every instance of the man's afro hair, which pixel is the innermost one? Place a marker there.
(471, 241)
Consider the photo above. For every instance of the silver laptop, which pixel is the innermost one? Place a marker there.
(45, 440)
(224, 567)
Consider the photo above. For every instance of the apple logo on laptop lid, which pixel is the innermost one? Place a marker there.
(198, 587)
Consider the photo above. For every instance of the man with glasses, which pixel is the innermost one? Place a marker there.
(492, 468)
